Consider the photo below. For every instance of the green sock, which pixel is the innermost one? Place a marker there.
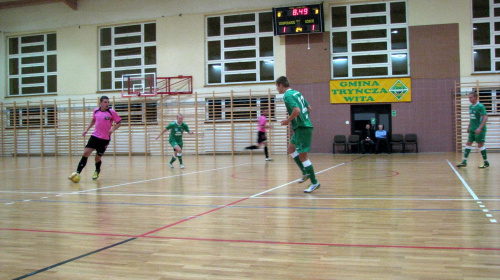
(466, 153)
(299, 164)
(483, 153)
(310, 172)
(172, 160)
(180, 159)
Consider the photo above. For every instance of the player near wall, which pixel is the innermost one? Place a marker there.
(106, 121)
(176, 128)
(476, 129)
(298, 115)
(261, 135)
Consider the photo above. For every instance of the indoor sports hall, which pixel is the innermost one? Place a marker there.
(403, 73)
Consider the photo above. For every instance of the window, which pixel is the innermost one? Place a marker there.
(128, 49)
(32, 64)
(369, 40)
(239, 48)
(32, 117)
(140, 112)
(486, 35)
(490, 98)
(240, 109)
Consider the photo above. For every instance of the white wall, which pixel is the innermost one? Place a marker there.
(180, 34)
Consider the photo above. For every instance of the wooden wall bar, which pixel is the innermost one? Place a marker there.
(55, 127)
(462, 116)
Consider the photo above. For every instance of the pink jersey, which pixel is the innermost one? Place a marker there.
(104, 122)
(262, 123)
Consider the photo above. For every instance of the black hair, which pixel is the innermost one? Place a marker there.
(283, 81)
(103, 97)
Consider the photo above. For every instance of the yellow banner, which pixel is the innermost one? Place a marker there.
(370, 90)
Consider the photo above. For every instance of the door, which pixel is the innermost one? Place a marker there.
(372, 114)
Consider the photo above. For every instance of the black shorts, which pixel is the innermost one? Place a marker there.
(98, 144)
(261, 137)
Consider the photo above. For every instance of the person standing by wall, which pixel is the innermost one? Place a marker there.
(476, 129)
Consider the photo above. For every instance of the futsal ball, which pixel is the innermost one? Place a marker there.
(75, 177)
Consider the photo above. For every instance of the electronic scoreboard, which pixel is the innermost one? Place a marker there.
(298, 19)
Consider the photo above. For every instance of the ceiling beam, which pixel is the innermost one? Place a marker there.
(73, 4)
(25, 3)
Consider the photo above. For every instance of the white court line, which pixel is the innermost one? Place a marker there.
(154, 179)
(24, 169)
(255, 195)
(463, 181)
(471, 192)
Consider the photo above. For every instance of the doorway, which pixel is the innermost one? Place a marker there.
(372, 114)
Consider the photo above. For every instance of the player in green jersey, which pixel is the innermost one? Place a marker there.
(298, 115)
(176, 128)
(476, 129)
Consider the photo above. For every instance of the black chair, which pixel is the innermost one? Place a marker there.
(411, 139)
(397, 139)
(353, 140)
(339, 140)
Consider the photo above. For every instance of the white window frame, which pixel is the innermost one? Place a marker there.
(491, 46)
(20, 66)
(388, 26)
(141, 112)
(220, 63)
(116, 82)
(261, 103)
(22, 116)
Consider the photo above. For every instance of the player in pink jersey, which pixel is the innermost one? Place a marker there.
(103, 118)
(261, 136)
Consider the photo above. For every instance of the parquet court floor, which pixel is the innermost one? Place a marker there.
(398, 216)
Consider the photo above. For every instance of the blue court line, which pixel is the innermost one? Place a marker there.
(74, 259)
(254, 207)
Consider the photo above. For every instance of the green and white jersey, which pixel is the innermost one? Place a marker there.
(477, 112)
(294, 99)
(176, 130)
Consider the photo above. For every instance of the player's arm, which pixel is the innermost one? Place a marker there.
(165, 130)
(89, 127)
(483, 123)
(186, 127)
(115, 127)
(295, 113)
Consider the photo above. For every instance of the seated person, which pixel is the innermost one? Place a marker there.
(381, 138)
(367, 137)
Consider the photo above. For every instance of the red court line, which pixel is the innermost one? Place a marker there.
(193, 217)
(259, 241)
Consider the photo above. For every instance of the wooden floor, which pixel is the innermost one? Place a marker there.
(398, 216)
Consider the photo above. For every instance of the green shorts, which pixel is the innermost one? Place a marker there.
(174, 143)
(478, 138)
(301, 138)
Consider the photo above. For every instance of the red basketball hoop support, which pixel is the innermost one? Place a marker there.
(174, 85)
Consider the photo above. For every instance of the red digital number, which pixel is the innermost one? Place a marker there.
(300, 12)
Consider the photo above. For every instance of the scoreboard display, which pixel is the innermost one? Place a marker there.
(298, 19)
